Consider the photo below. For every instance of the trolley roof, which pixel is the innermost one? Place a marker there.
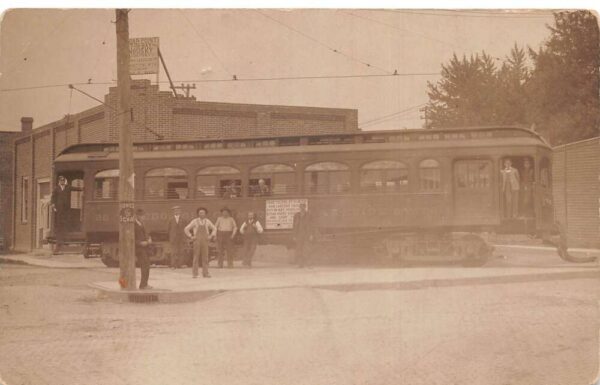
(365, 140)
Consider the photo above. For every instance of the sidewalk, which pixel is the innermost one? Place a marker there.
(511, 264)
(178, 285)
(46, 259)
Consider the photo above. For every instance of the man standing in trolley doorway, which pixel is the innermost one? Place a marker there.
(510, 189)
(303, 233)
(61, 206)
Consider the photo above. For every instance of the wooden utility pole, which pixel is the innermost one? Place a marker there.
(126, 179)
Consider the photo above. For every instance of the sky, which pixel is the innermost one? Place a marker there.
(42, 51)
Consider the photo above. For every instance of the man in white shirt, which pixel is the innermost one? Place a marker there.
(251, 228)
(200, 230)
(510, 189)
(226, 230)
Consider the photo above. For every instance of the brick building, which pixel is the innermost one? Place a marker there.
(157, 115)
(6, 187)
(576, 178)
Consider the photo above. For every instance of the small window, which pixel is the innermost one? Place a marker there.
(24, 199)
(429, 175)
(327, 178)
(473, 174)
(77, 195)
(106, 184)
(272, 179)
(545, 180)
(383, 176)
(219, 181)
(166, 183)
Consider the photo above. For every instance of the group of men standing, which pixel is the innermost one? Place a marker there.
(200, 231)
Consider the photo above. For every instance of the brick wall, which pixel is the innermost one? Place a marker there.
(576, 182)
(6, 187)
(23, 228)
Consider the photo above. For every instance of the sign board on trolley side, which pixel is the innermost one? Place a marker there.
(143, 55)
(279, 213)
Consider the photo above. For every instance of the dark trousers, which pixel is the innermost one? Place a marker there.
(176, 259)
(301, 243)
(144, 261)
(248, 249)
(61, 220)
(200, 252)
(225, 245)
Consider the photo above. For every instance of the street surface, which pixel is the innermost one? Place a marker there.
(55, 330)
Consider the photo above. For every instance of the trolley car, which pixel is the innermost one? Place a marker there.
(403, 192)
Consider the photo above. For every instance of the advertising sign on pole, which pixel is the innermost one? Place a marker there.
(143, 52)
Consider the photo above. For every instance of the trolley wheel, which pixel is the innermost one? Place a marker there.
(109, 261)
(474, 250)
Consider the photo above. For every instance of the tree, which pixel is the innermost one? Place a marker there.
(511, 102)
(464, 96)
(563, 90)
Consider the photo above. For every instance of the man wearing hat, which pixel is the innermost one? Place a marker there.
(176, 237)
(61, 206)
(142, 241)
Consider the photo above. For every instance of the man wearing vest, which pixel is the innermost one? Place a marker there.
(250, 229)
(200, 230)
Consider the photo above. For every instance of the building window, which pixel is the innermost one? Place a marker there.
(383, 176)
(24, 199)
(219, 181)
(429, 175)
(272, 179)
(473, 174)
(166, 183)
(106, 184)
(327, 178)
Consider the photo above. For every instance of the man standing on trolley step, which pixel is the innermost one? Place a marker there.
(510, 189)
(176, 237)
(200, 230)
(142, 241)
(303, 233)
(61, 205)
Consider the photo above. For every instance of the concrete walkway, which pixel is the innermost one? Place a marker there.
(513, 264)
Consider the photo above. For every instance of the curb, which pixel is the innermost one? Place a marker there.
(167, 296)
(50, 264)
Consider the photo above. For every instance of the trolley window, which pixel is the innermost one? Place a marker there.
(473, 174)
(218, 181)
(166, 183)
(327, 178)
(429, 175)
(272, 179)
(383, 176)
(106, 184)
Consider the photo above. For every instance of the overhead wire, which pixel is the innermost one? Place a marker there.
(212, 51)
(389, 116)
(455, 14)
(401, 29)
(260, 79)
(313, 39)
